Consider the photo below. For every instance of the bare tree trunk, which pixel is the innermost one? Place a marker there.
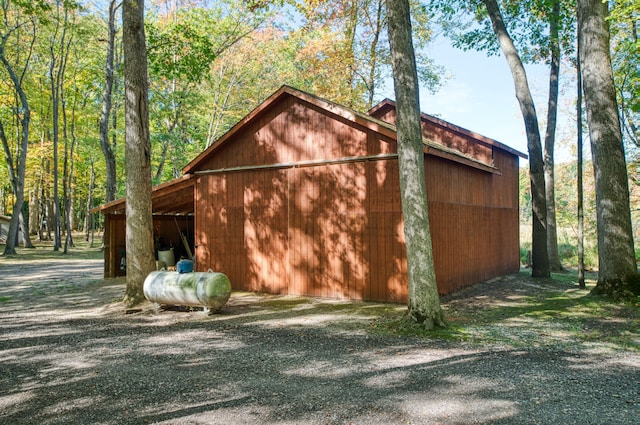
(26, 237)
(373, 56)
(68, 176)
(424, 302)
(55, 82)
(67, 168)
(617, 263)
(49, 207)
(105, 144)
(17, 166)
(580, 161)
(540, 257)
(88, 219)
(140, 259)
(34, 216)
(549, 141)
(171, 139)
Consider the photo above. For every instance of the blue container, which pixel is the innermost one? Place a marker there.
(184, 266)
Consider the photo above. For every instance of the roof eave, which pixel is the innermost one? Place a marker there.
(333, 108)
(164, 189)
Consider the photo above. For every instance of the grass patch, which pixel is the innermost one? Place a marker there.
(523, 313)
(5, 299)
(43, 250)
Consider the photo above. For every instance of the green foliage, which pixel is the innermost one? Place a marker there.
(208, 67)
(362, 54)
(183, 45)
(525, 253)
(566, 214)
(33, 7)
(467, 24)
(623, 21)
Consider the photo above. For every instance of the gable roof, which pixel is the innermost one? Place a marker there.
(362, 119)
(387, 104)
(284, 91)
(172, 198)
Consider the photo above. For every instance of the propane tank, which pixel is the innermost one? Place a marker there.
(210, 290)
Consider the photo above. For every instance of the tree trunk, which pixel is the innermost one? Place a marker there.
(49, 207)
(616, 256)
(57, 90)
(88, 221)
(16, 168)
(540, 258)
(373, 56)
(34, 211)
(580, 161)
(105, 145)
(219, 108)
(424, 302)
(140, 259)
(68, 170)
(26, 237)
(550, 139)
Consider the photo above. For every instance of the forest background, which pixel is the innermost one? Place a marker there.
(210, 63)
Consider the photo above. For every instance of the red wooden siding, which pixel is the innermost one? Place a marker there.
(439, 132)
(324, 231)
(292, 131)
(305, 225)
(474, 221)
(302, 197)
(336, 231)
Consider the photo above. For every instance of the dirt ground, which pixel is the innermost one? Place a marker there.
(70, 355)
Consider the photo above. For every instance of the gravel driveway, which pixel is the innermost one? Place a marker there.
(69, 355)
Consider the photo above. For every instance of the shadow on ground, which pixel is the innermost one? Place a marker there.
(68, 354)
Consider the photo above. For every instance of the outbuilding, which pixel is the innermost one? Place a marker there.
(5, 222)
(302, 197)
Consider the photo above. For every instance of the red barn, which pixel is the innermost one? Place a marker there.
(302, 197)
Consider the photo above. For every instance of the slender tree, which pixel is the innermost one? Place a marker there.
(57, 51)
(616, 258)
(550, 137)
(540, 257)
(140, 259)
(424, 303)
(543, 31)
(105, 144)
(88, 218)
(68, 173)
(580, 166)
(17, 164)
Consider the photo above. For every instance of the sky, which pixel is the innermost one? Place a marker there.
(479, 95)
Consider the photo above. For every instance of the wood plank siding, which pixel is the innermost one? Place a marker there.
(303, 201)
(302, 197)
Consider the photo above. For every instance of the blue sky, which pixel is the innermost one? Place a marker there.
(480, 96)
